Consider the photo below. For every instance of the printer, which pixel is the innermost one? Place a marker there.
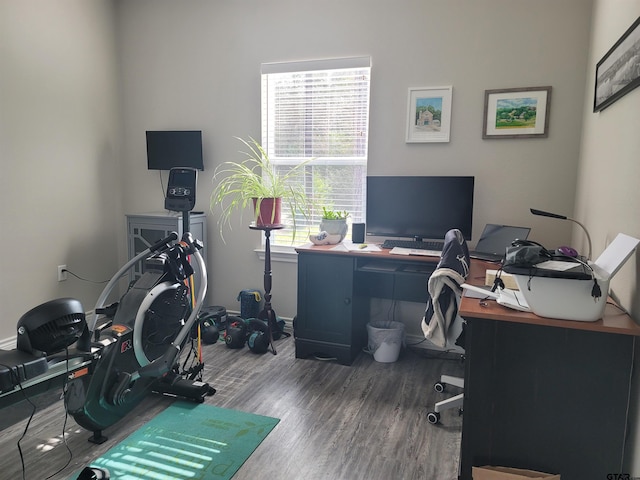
(572, 290)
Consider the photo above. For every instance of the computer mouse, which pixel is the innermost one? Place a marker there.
(568, 251)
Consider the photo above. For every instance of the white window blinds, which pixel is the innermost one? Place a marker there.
(318, 111)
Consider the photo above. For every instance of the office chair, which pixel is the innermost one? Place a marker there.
(441, 323)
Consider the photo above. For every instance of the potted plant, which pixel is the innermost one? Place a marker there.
(255, 181)
(334, 222)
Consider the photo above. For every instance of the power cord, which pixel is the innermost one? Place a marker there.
(65, 270)
(596, 291)
(66, 417)
(33, 411)
(161, 184)
(417, 343)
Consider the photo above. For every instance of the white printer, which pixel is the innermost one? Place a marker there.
(564, 289)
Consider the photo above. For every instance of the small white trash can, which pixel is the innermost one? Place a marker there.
(385, 340)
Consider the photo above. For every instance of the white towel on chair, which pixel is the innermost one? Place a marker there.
(444, 290)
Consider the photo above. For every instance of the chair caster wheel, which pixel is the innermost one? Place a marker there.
(439, 387)
(433, 418)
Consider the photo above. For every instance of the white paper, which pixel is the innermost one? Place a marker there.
(357, 247)
(415, 251)
(617, 253)
(505, 297)
(473, 291)
(557, 265)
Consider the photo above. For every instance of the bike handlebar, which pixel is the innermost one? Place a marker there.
(164, 243)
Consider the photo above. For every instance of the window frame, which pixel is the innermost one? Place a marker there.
(268, 129)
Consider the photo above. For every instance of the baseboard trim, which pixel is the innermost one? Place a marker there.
(413, 341)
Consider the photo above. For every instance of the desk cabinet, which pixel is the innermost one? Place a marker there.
(545, 398)
(334, 291)
(331, 319)
(145, 229)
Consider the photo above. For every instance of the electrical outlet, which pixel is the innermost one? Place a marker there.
(62, 273)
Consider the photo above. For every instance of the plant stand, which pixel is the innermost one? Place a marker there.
(268, 314)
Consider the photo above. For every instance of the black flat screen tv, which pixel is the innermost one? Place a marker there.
(167, 149)
(423, 207)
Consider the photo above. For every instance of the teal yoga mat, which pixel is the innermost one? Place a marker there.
(187, 441)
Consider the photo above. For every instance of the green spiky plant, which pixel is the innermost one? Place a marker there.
(334, 214)
(254, 177)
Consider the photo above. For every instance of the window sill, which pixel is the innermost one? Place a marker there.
(279, 253)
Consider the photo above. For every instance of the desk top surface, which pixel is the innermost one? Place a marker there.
(614, 321)
(382, 254)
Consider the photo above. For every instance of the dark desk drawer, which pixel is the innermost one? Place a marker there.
(396, 285)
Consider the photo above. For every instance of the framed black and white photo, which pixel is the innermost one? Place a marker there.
(619, 70)
(429, 114)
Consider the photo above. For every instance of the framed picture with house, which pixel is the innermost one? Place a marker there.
(429, 114)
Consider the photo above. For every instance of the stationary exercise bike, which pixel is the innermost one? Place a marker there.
(137, 352)
(151, 324)
(130, 348)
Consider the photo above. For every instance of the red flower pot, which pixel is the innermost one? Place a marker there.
(269, 213)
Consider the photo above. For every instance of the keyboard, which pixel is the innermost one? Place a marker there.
(414, 244)
(415, 251)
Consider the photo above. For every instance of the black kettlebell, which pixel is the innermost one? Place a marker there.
(258, 340)
(209, 332)
(236, 333)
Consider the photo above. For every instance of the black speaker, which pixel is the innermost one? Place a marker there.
(357, 232)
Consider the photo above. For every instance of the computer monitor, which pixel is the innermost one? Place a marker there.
(167, 149)
(423, 207)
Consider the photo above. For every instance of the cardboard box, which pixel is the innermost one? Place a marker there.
(507, 473)
(508, 279)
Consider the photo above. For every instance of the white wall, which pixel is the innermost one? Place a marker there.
(68, 177)
(196, 64)
(608, 196)
(60, 184)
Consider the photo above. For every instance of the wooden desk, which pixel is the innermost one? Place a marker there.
(334, 288)
(542, 394)
(546, 394)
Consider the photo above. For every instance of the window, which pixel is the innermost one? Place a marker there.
(318, 112)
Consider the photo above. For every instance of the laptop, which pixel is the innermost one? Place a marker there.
(495, 239)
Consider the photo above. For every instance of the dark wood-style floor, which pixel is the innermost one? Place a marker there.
(366, 421)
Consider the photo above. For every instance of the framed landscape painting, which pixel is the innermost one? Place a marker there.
(516, 113)
(429, 114)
